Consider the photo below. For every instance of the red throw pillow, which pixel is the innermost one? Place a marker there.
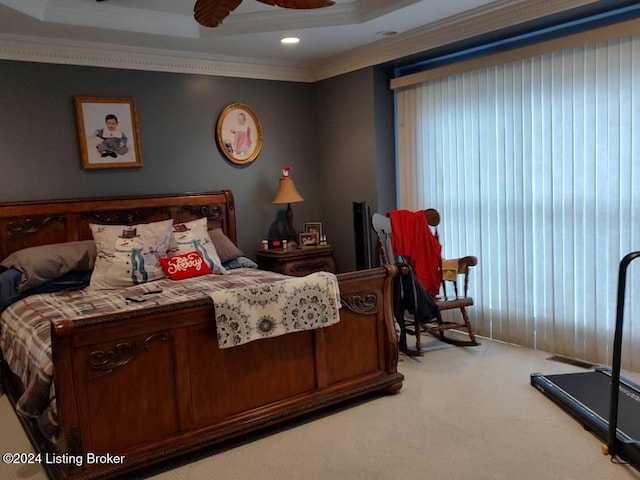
(187, 265)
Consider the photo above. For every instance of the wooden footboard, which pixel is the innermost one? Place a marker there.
(146, 387)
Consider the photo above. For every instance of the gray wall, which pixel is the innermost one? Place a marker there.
(355, 122)
(329, 132)
(384, 126)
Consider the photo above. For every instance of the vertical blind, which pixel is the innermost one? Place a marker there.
(534, 166)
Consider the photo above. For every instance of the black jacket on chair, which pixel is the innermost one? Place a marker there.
(409, 296)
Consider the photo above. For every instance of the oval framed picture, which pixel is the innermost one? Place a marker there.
(239, 133)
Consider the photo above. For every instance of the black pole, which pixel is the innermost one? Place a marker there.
(617, 352)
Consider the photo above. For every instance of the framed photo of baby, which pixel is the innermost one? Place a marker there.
(108, 132)
(239, 134)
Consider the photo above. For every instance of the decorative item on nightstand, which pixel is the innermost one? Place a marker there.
(298, 261)
(288, 194)
(315, 229)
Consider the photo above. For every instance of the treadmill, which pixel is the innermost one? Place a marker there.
(603, 402)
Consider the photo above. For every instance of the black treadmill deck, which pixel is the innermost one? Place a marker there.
(592, 390)
(586, 396)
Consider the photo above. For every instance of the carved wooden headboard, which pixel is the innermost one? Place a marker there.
(28, 224)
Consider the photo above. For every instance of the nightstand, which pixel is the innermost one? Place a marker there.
(297, 261)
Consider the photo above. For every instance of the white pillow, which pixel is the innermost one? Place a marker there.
(128, 254)
(194, 236)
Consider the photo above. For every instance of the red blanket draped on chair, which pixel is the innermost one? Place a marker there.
(412, 239)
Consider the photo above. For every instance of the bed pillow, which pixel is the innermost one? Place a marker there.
(129, 254)
(227, 250)
(191, 236)
(184, 266)
(46, 262)
(240, 262)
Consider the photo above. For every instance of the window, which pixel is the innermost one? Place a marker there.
(534, 165)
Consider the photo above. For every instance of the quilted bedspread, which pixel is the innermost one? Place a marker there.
(249, 304)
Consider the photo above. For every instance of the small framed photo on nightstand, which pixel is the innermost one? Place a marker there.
(307, 239)
(314, 228)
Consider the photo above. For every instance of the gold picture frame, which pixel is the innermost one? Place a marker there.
(108, 132)
(239, 133)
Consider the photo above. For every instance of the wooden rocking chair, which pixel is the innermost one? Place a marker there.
(453, 273)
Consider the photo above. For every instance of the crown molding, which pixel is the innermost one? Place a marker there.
(98, 55)
(497, 15)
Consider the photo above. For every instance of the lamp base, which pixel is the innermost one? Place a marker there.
(291, 233)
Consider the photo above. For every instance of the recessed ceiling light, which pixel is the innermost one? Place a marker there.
(290, 40)
(387, 33)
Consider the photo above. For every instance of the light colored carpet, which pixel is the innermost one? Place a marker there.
(463, 413)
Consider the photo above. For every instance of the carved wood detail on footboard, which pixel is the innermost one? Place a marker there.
(359, 304)
(122, 353)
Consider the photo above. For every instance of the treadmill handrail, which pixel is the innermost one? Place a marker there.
(617, 351)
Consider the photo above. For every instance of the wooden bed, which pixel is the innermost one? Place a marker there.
(194, 394)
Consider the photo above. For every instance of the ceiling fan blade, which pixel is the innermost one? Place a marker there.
(299, 4)
(210, 13)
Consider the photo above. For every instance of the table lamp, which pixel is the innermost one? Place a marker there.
(288, 194)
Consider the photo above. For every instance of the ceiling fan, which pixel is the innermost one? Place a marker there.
(210, 13)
